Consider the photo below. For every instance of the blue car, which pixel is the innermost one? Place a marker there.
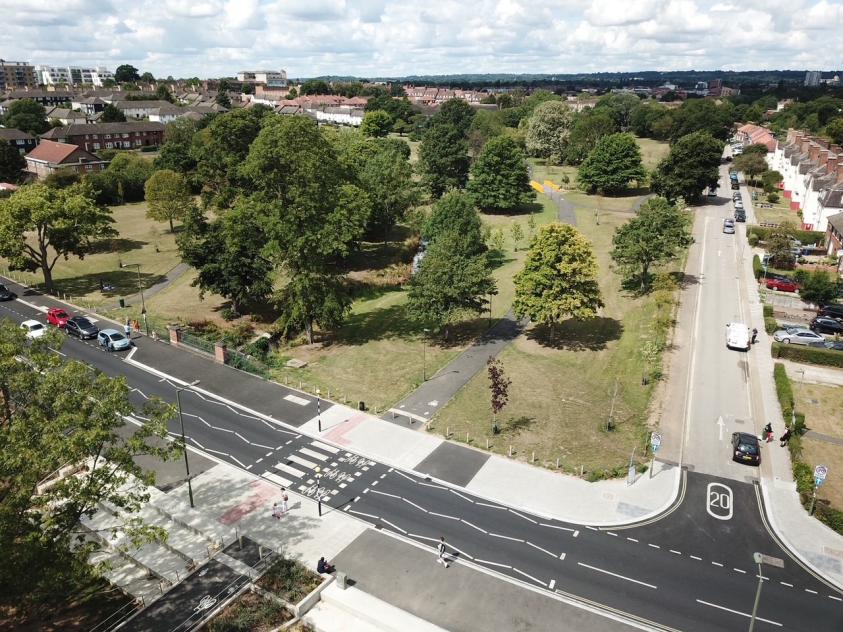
(113, 340)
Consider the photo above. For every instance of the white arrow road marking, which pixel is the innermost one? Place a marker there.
(721, 424)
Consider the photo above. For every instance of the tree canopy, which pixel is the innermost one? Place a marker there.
(27, 116)
(499, 177)
(589, 127)
(690, 167)
(12, 163)
(126, 73)
(444, 160)
(612, 165)
(168, 197)
(455, 213)
(819, 288)
(548, 129)
(111, 114)
(376, 123)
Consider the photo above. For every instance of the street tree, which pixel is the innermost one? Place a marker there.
(612, 165)
(655, 236)
(126, 73)
(499, 384)
(12, 163)
(27, 116)
(499, 178)
(59, 416)
(112, 115)
(559, 278)
(517, 234)
(40, 225)
(548, 129)
(690, 167)
(455, 212)
(168, 197)
(751, 164)
(819, 288)
(228, 254)
(443, 158)
(376, 123)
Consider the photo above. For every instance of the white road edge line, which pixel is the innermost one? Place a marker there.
(629, 579)
(743, 614)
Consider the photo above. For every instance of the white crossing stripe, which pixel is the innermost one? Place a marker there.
(301, 401)
(325, 446)
(289, 470)
(301, 461)
(315, 455)
(283, 482)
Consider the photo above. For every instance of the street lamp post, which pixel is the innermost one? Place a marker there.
(140, 289)
(318, 475)
(183, 440)
(318, 410)
(770, 561)
(424, 355)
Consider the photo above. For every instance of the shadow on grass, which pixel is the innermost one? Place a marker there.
(377, 256)
(522, 209)
(516, 424)
(120, 282)
(116, 245)
(497, 259)
(578, 335)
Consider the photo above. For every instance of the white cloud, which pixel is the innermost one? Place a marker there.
(395, 37)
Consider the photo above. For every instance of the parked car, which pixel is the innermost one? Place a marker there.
(57, 316)
(782, 284)
(799, 336)
(737, 195)
(729, 226)
(740, 215)
(834, 345)
(834, 310)
(826, 325)
(745, 448)
(737, 336)
(113, 340)
(712, 193)
(735, 185)
(738, 203)
(33, 329)
(6, 294)
(81, 327)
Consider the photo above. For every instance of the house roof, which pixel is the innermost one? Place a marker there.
(146, 105)
(836, 221)
(64, 113)
(80, 129)
(34, 94)
(53, 152)
(10, 133)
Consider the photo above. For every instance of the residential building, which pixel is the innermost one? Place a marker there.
(341, 115)
(16, 75)
(88, 105)
(73, 75)
(24, 141)
(834, 238)
(93, 137)
(50, 157)
(436, 96)
(813, 78)
(47, 98)
(139, 109)
(812, 170)
(269, 78)
(168, 114)
(750, 134)
(67, 116)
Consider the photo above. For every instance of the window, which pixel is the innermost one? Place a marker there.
(127, 145)
(96, 146)
(21, 142)
(125, 136)
(108, 135)
(109, 145)
(89, 167)
(138, 142)
(95, 136)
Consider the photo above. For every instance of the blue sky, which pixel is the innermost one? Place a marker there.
(210, 38)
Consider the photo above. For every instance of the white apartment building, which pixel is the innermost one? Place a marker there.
(342, 115)
(269, 78)
(73, 75)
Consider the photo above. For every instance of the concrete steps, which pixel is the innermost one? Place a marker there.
(125, 574)
(182, 514)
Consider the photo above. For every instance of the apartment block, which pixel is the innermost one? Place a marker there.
(73, 75)
(17, 75)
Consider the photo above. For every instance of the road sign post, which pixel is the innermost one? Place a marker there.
(655, 444)
(820, 472)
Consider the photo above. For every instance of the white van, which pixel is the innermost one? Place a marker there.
(737, 336)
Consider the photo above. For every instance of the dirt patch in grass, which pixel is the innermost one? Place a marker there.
(251, 612)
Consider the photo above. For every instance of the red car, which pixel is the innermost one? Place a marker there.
(782, 285)
(57, 316)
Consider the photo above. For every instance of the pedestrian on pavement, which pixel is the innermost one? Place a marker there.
(754, 335)
(768, 432)
(127, 328)
(284, 500)
(136, 326)
(275, 513)
(785, 437)
(441, 552)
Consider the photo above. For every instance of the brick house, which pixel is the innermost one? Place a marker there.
(96, 136)
(24, 141)
(46, 98)
(50, 157)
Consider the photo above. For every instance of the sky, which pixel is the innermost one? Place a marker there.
(368, 38)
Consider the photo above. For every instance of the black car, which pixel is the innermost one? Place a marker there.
(740, 215)
(826, 325)
(6, 294)
(832, 310)
(735, 186)
(81, 327)
(745, 448)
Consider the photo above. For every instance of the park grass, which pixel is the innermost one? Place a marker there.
(823, 409)
(137, 242)
(562, 391)
(778, 214)
(652, 151)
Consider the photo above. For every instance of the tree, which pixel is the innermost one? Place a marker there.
(499, 178)
(111, 114)
(147, 77)
(690, 167)
(376, 123)
(612, 165)
(40, 224)
(27, 116)
(57, 414)
(223, 100)
(756, 148)
(655, 236)
(228, 254)
(443, 155)
(517, 234)
(123, 181)
(292, 93)
(455, 212)
(485, 126)
(498, 389)
(455, 113)
(163, 93)
(644, 118)
(12, 163)
(548, 130)
(780, 245)
(126, 74)
(314, 86)
(750, 164)
(704, 115)
(619, 107)
(771, 179)
(559, 278)
(819, 288)
(175, 152)
(588, 129)
(453, 279)
(387, 178)
(834, 131)
(168, 197)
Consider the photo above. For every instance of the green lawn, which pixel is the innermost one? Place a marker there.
(652, 151)
(778, 214)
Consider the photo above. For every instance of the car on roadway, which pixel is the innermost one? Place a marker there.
(729, 226)
(782, 284)
(6, 294)
(113, 340)
(834, 345)
(58, 317)
(738, 203)
(826, 325)
(834, 310)
(799, 336)
(737, 336)
(81, 327)
(745, 448)
(33, 329)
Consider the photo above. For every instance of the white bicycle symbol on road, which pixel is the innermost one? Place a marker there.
(206, 602)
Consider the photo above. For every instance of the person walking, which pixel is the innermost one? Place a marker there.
(754, 335)
(284, 500)
(127, 329)
(440, 548)
(768, 432)
(275, 513)
(785, 437)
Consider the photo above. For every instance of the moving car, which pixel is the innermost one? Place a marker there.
(113, 340)
(826, 325)
(782, 284)
(729, 226)
(737, 336)
(6, 294)
(57, 316)
(745, 448)
(834, 310)
(799, 336)
(33, 328)
(81, 327)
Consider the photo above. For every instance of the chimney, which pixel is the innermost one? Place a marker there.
(823, 142)
(831, 163)
(805, 146)
(822, 157)
(791, 135)
(813, 151)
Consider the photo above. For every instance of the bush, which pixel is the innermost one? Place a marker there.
(229, 314)
(805, 236)
(770, 324)
(149, 148)
(752, 238)
(768, 311)
(784, 391)
(258, 349)
(289, 580)
(757, 268)
(772, 197)
(238, 335)
(804, 477)
(811, 355)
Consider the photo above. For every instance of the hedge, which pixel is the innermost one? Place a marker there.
(783, 390)
(807, 237)
(811, 355)
(757, 268)
(771, 325)
(768, 311)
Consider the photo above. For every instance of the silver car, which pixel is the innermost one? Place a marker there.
(729, 226)
(799, 336)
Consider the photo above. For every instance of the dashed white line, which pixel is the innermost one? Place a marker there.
(259, 460)
(478, 560)
(632, 539)
(385, 494)
(552, 584)
(522, 516)
(461, 496)
(738, 570)
(629, 579)
(562, 556)
(420, 508)
(835, 598)
(718, 564)
(612, 534)
(268, 454)
(473, 526)
(394, 526)
(743, 614)
(655, 546)
(694, 557)
(554, 526)
(528, 543)
(808, 590)
(433, 513)
(592, 528)
(786, 584)
(360, 513)
(576, 533)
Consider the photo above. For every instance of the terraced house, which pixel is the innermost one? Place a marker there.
(96, 136)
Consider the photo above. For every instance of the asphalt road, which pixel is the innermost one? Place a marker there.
(688, 570)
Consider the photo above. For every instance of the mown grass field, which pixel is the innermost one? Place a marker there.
(823, 409)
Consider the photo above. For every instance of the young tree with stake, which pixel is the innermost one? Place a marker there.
(498, 389)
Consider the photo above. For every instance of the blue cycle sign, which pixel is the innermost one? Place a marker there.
(655, 441)
(820, 472)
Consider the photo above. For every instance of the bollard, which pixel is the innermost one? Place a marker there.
(510, 449)
(487, 443)
(329, 393)
(393, 413)
(260, 552)
(533, 460)
(466, 437)
(447, 431)
(557, 463)
(299, 384)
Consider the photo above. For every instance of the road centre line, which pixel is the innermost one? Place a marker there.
(675, 552)
(738, 570)
(410, 502)
(813, 592)
(718, 564)
(632, 539)
(553, 526)
(743, 614)
(835, 598)
(433, 513)
(522, 516)
(786, 584)
(694, 557)
(385, 494)
(655, 546)
(629, 579)
(612, 534)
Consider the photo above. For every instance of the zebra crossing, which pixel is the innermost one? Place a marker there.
(340, 473)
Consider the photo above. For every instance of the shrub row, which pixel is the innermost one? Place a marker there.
(811, 355)
(768, 311)
(807, 237)
(757, 268)
(770, 324)
(783, 389)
